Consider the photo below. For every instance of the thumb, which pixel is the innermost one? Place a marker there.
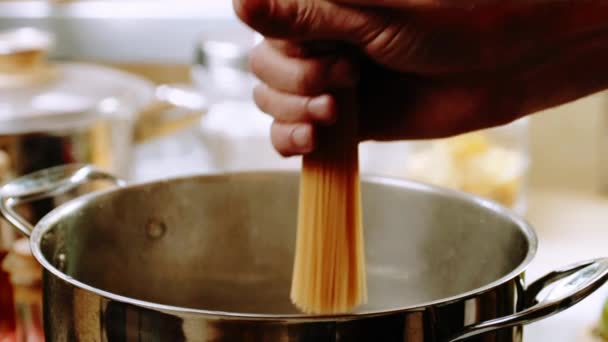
(310, 20)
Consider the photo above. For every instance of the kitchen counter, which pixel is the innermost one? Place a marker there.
(572, 226)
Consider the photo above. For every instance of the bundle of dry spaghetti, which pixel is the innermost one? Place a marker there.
(329, 270)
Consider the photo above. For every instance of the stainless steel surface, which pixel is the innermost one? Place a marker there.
(565, 288)
(102, 141)
(208, 258)
(47, 183)
(106, 30)
(80, 113)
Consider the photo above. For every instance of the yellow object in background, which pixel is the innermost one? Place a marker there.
(471, 163)
(467, 146)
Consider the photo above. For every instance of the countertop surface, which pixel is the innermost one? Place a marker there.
(572, 226)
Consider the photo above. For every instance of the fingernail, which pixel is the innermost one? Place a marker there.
(302, 138)
(321, 108)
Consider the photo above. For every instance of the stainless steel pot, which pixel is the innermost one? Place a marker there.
(68, 112)
(54, 113)
(209, 259)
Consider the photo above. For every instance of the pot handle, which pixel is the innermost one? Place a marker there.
(43, 184)
(547, 296)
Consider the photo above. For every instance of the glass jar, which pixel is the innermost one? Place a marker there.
(235, 133)
(491, 163)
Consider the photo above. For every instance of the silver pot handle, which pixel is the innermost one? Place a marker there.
(44, 184)
(547, 296)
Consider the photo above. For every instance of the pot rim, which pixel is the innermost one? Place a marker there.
(49, 221)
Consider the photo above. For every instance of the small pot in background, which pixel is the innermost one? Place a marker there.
(58, 113)
(65, 112)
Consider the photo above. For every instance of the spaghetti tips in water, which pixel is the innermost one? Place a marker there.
(329, 270)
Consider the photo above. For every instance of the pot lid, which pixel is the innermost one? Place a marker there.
(37, 95)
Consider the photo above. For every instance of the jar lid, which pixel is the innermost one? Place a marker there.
(36, 95)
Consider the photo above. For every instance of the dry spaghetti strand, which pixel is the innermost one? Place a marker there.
(329, 269)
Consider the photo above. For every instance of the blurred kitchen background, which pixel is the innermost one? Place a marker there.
(170, 78)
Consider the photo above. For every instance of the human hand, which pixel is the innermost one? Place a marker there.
(427, 68)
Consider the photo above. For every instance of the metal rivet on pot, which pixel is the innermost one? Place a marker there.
(155, 229)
